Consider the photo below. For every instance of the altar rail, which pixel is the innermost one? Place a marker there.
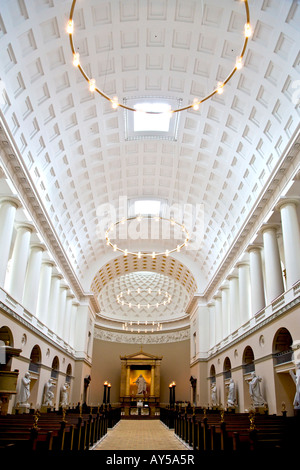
(58, 431)
(210, 430)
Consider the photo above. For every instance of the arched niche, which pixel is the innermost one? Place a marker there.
(282, 346)
(68, 373)
(6, 336)
(35, 359)
(227, 368)
(212, 374)
(55, 368)
(248, 360)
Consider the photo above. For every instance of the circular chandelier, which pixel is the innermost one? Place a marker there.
(140, 254)
(165, 294)
(142, 327)
(196, 102)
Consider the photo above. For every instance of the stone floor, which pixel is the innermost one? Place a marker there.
(140, 435)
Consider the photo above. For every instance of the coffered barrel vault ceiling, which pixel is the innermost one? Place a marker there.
(79, 158)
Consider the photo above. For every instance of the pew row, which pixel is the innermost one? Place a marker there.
(55, 431)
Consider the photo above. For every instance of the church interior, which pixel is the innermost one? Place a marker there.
(149, 207)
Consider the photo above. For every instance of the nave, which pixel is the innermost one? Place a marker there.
(140, 435)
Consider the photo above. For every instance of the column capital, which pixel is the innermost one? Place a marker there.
(241, 264)
(287, 201)
(38, 246)
(49, 262)
(217, 296)
(224, 286)
(14, 200)
(57, 275)
(275, 227)
(254, 247)
(232, 276)
(27, 225)
(63, 285)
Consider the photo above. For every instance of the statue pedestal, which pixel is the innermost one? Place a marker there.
(23, 408)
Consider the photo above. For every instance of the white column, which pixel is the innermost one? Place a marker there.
(234, 320)
(30, 293)
(256, 279)
(212, 324)
(53, 301)
(67, 322)
(44, 290)
(225, 309)
(61, 311)
(291, 239)
(19, 261)
(244, 291)
(274, 281)
(8, 208)
(202, 331)
(75, 306)
(218, 318)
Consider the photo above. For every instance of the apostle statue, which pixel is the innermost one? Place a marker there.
(254, 390)
(213, 394)
(48, 394)
(141, 383)
(231, 399)
(64, 395)
(24, 392)
(296, 379)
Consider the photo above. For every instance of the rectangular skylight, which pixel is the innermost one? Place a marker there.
(147, 207)
(156, 122)
(159, 121)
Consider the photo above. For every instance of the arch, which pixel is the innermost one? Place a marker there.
(68, 373)
(55, 367)
(35, 359)
(282, 346)
(212, 373)
(248, 360)
(6, 336)
(227, 368)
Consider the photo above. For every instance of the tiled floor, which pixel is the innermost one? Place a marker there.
(140, 434)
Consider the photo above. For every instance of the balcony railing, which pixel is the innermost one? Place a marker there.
(283, 356)
(227, 374)
(34, 367)
(248, 368)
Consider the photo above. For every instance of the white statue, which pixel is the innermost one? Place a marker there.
(48, 395)
(141, 383)
(231, 399)
(24, 392)
(213, 394)
(64, 394)
(254, 390)
(296, 379)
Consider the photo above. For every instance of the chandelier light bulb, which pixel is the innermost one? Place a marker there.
(220, 88)
(115, 102)
(248, 30)
(239, 63)
(196, 104)
(92, 84)
(76, 59)
(70, 27)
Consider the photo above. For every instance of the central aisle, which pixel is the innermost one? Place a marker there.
(140, 435)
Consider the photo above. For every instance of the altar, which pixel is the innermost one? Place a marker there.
(140, 384)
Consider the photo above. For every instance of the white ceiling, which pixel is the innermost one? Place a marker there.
(71, 150)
